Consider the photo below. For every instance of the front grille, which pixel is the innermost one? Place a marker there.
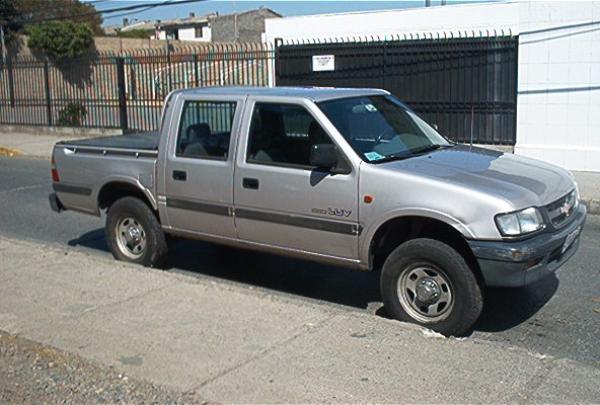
(561, 210)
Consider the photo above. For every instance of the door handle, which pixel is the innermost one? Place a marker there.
(179, 175)
(250, 183)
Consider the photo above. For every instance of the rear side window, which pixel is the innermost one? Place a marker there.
(284, 134)
(205, 129)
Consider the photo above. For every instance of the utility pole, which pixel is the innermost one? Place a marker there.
(3, 45)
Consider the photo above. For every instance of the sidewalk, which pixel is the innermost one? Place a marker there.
(17, 144)
(235, 343)
(14, 144)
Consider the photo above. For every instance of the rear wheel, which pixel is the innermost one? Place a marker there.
(134, 234)
(427, 282)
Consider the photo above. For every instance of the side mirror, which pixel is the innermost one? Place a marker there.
(325, 156)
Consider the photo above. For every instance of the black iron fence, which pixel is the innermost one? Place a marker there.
(124, 91)
(467, 87)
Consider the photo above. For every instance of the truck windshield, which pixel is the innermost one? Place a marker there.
(380, 128)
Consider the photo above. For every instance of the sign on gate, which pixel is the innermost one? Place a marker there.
(323, 63)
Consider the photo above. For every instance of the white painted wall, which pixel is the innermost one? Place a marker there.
(440, 19)
(189, 34)
(558, 107)
(558, 113)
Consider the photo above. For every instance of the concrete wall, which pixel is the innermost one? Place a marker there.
(558, 107)
(116, 45)
(558, 114)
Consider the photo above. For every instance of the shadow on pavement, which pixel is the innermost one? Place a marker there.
(93, 240)
(312, 280)
(504, 307)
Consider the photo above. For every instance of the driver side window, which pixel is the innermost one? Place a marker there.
(284, 134)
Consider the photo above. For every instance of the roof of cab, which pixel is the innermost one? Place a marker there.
(315, 94)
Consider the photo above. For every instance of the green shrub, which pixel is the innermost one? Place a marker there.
(72, 115)
(61, 39)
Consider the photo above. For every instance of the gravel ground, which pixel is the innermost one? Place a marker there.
(32, 373)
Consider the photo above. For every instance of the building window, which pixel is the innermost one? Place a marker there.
(199, 30)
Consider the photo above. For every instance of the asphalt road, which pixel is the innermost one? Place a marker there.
(556, 316)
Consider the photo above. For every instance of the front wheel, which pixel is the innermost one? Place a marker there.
(134, 234)
(427, 282)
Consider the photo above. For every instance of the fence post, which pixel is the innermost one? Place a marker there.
(274, 62)
(11, 82)
(196, 73)
(384, 64)
(122, 93)
(47, 87)
(169, 67)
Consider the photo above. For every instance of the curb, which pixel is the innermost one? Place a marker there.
(592, 204)
(9, 152)
(61, 132)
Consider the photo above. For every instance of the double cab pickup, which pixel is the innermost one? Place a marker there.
(350, 177)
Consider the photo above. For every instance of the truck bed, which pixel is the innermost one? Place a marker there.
(84, 166)
(141, 141)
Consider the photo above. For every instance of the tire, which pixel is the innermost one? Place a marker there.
(427, 282)
(134, 234)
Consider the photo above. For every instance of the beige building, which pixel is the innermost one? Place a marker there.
(247, 26)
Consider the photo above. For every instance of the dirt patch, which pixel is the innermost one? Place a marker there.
(34, 373)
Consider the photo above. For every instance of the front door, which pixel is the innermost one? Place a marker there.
(199, 169)
(280, 199)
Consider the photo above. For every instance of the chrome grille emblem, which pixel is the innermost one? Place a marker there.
(566, 208)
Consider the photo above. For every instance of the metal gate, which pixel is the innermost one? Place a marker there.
(467, 87)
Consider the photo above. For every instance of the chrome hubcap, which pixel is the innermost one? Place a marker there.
(428, 291)
(131, 237)
(425, 293)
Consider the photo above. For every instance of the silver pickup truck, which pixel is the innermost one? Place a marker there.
(350, 177)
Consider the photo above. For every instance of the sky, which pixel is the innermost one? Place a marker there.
(287, 8)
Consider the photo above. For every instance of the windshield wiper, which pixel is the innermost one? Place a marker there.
(392, 157)
(426, 149)
(412, 153)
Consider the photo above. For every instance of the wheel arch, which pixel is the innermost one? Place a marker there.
(116, 188)
(400, 228)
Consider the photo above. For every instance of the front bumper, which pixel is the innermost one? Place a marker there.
(518, 263)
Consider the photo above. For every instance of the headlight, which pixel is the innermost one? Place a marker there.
(520, 223)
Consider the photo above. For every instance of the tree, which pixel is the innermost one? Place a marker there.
(65, 10)
(61, 39)
(9, 19)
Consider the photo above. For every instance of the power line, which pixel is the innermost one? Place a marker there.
(129, 13)
(145, 6)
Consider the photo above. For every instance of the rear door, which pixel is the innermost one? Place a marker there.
(198, 172)
(280, 199)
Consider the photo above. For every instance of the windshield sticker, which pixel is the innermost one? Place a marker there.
(370, 108)
(372, 156)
